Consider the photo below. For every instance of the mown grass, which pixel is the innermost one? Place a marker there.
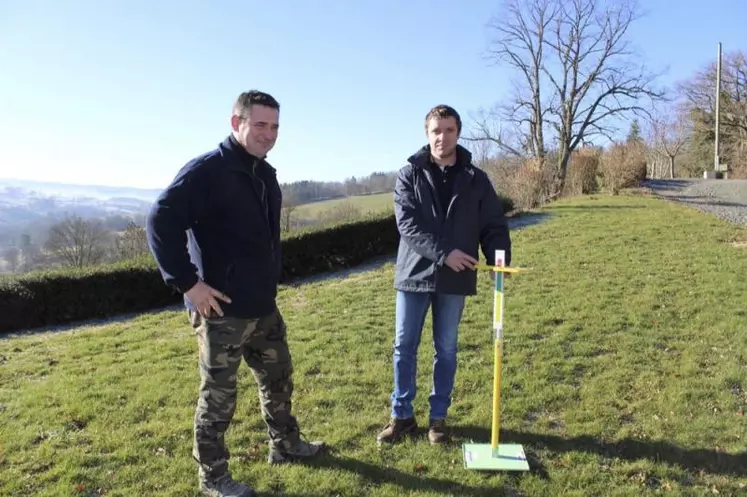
(379, 202)
(625, 374)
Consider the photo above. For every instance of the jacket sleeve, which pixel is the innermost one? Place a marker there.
(410, 224)
(494, 232)
(169, 218)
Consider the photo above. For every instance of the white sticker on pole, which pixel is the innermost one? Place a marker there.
(498, 305)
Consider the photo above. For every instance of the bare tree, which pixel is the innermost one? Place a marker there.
(699, 97)
(31, 256)
(77, 242)
(13, 257)
(669, 134)
(655, 163)
(352, 187)
(287, 212)
(343, 211)
(482, 151)
(576, 74)
(131, 243)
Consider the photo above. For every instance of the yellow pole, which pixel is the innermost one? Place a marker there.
(496, 395)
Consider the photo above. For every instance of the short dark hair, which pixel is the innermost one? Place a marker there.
(246, 99)
(441, 112)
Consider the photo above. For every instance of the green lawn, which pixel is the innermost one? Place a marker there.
(625, 374)
(365, 203)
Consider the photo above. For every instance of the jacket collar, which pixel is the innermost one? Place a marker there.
(244, 161)
(421, 158)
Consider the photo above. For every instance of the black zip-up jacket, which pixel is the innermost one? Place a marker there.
(429, 231)
(219, 221)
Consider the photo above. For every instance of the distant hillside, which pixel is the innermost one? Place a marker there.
(363, 203)
(70, 190)
(23, 202)
(27, 201)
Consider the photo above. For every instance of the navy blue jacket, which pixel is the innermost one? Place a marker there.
(219, 220)
(429, 231)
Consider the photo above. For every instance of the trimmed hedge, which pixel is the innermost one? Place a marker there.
(338, 246)
(62, 296)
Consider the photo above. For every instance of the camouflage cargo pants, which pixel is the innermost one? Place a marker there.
(222, 343)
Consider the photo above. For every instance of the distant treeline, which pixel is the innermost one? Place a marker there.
(303, 192)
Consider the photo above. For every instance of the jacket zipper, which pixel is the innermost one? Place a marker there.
(265, 212)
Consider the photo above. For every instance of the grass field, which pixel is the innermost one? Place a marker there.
(365, 203)
(625, 375)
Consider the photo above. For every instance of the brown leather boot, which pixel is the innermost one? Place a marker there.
(437, 433)
(396, 429)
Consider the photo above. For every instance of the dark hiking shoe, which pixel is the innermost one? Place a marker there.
(437, 433)
(396, 429)
(224, 486)
(288, 451)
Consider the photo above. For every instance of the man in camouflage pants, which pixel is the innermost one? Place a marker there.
(215, 234)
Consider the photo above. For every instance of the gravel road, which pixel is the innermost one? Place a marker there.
(725, 199)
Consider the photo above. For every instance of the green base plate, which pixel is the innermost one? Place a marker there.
(510, 457)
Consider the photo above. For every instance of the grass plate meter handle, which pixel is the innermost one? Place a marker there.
(496, 456)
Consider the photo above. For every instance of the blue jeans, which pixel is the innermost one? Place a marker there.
(411, 309)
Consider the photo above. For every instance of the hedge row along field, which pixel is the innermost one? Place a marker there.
(62, 296)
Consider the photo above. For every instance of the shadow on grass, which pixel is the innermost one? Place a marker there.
(377, 475)
(668, 184)
(523, 220)
(694, 460)
(592, 207)
(93, 322)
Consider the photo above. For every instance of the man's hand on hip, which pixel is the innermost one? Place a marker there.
(458, 260)
(203, 297)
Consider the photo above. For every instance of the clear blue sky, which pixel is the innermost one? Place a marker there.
(124, 93)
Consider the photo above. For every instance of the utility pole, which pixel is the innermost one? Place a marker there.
(717, 162)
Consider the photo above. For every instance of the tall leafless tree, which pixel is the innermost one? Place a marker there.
(669, 133)
(481, 151)
(77, 242)
(131, 243)
(576, 74)
(699, 94)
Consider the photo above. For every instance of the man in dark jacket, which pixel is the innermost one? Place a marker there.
(445, 208)
(215, 234)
